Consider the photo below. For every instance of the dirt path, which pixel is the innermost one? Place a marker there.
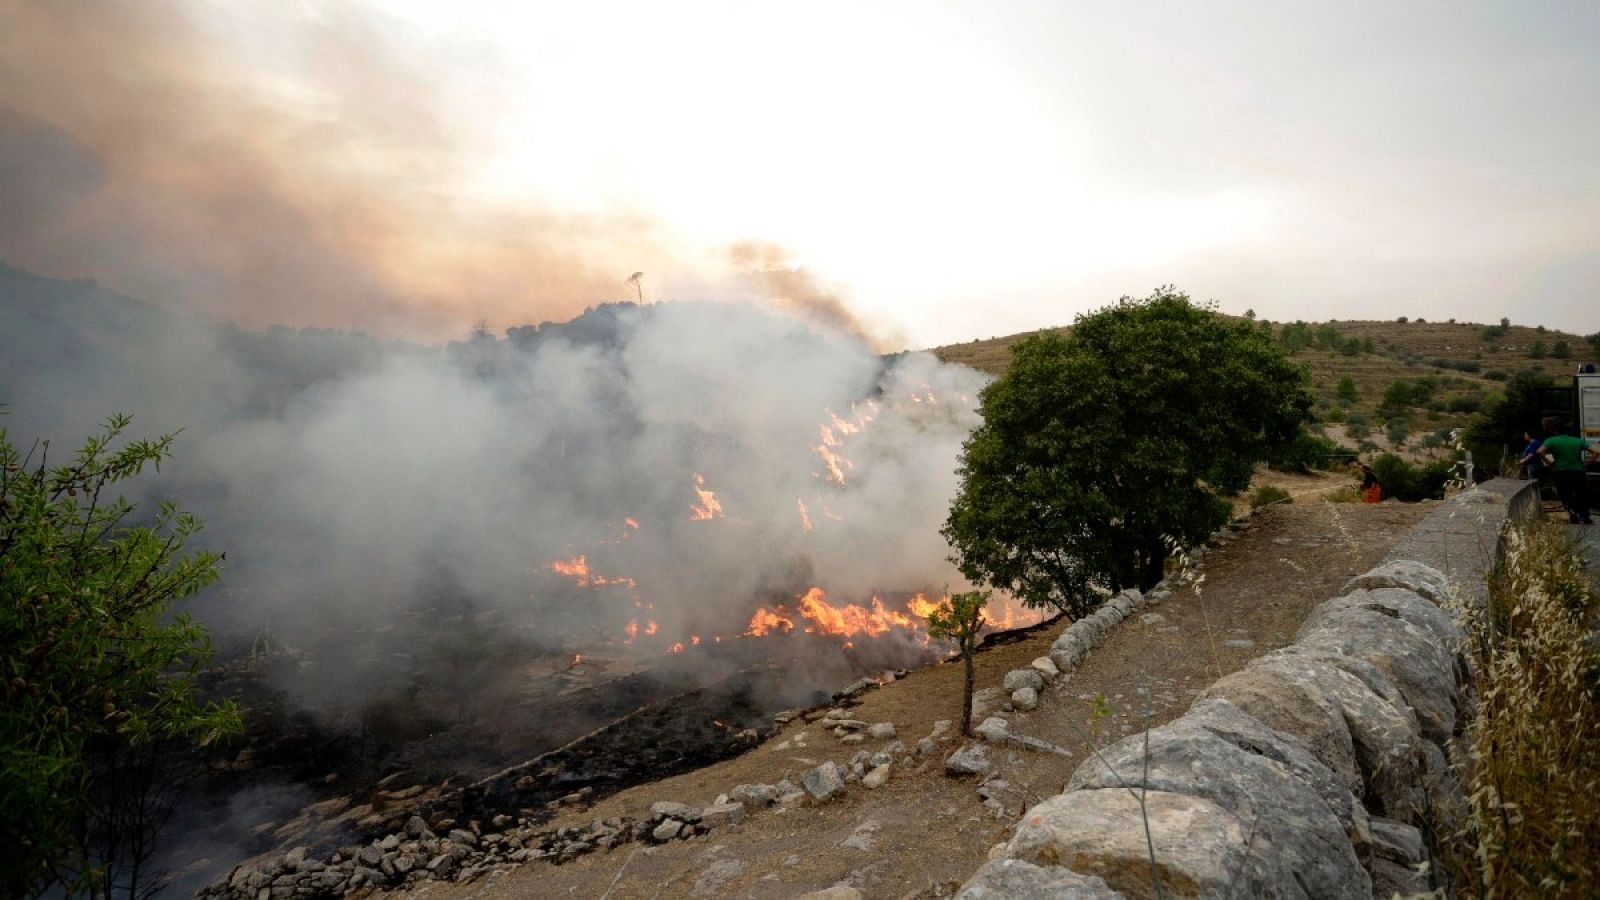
(923, 833)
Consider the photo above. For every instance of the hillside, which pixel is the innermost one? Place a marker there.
(1460, 367)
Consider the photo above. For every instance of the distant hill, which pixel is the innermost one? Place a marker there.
(1459, 365)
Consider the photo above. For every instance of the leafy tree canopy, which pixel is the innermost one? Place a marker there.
(88, 651)
(1100, 446)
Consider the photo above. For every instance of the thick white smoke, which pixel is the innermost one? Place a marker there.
(376, 499)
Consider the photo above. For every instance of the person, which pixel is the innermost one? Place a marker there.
(1532, 462)
(1566, 455)
(1370, 492)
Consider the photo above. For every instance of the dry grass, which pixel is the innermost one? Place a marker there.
(1532, 750)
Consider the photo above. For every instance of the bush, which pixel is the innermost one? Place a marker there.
(1466, 403)
(1402, 481)
(1497, 375)
(1532, 826)
(1267, 494)
(90, 657)
(1346, 391)
(1561, 350)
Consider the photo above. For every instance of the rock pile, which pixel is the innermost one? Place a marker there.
(445, 850)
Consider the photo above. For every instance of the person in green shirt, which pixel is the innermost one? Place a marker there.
(1566, 455)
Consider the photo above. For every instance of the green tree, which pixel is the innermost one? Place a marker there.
(960, 618)
(1537, 351)
(1346, 391)
(1099, 445)
(89, 654)
(1495, 435)
(1561, 350)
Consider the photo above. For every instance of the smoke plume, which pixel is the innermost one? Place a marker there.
(668, 469)
(271, 164)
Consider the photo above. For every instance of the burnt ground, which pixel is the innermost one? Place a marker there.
(923, 833)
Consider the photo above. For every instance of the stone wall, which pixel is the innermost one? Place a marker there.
(1305, 774)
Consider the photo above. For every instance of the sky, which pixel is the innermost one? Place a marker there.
(931, 172)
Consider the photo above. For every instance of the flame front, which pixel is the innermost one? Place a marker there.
(708, 508)
(805, 518)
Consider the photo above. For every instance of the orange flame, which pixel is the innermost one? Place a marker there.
(577, 568)
(632, 629)
(708, 508)
(631, 522)
(765, 621)
(676, 648)
(649, 628)
(805, 519)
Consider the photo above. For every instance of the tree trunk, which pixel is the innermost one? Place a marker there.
(966, 696)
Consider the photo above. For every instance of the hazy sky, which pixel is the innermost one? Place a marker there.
(949, 170)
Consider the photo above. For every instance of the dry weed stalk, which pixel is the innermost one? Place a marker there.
(1532, 748)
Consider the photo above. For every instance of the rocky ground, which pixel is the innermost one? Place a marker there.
(860, 796)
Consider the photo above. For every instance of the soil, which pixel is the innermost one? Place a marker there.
(924, 832)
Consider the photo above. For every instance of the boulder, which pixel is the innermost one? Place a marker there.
(1017, 679)
(1025, 698)
(1298, 846)
(1422, 669)
(720, 814)
(664, 809)
(1201, 849)
(667, 830)
(1289, 695)
(1013, 879)
(823, 782)
(1231, 724)
(1407, 604)
(994, 729)
(970, 759)
(1046, 668)
(877, 777)
(881, 731)
(1413, 576)
(1069, 649)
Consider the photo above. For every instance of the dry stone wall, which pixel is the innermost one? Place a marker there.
(1304, 775)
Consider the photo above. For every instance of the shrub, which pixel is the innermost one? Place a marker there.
(1561, 350)
(1402, 481)
(1304, 453)
(1466, 403)
(1267, 494)
(91, 661)
(1497, 375)
(1538, 350)
(1532, 826)
(1346, 390)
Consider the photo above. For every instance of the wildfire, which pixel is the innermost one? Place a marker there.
(649, 628)
(632, 629)
(708, 507)
(631, 522)
(813, 614)
(805, 518)
(577, 568)
(829, 437)
(821, 617)
(676, 648)
(765, 620)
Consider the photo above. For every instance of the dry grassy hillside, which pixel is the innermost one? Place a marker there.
(1462, 364)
